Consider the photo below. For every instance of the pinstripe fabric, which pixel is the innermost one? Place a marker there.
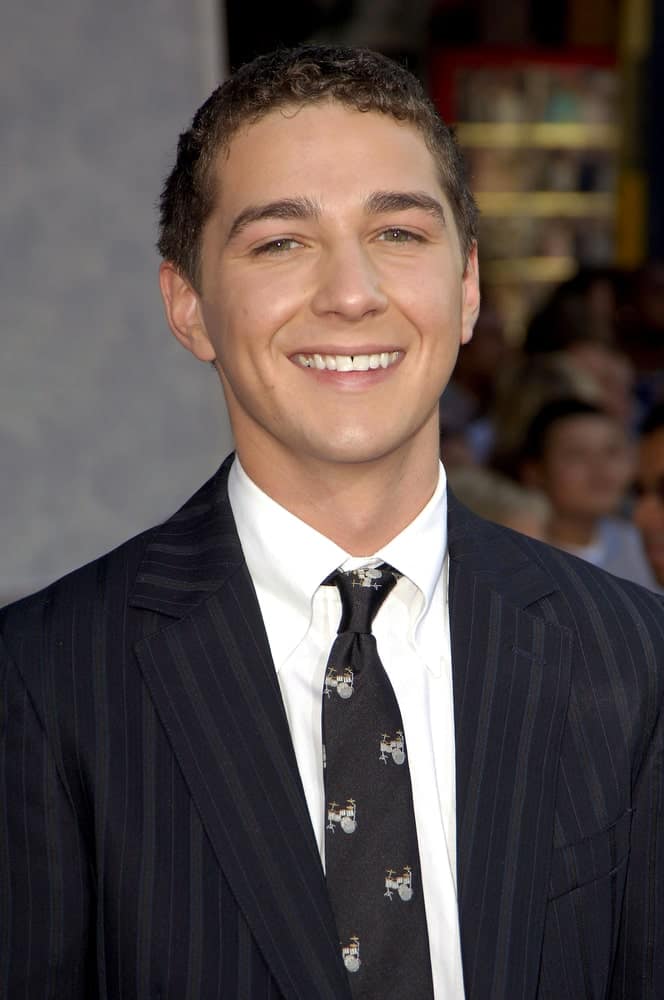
(154, 838)
(559, 772)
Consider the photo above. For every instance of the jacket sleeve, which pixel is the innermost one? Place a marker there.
(639, 968)
(46, 936)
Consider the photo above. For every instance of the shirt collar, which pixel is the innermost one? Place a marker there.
(287, 559)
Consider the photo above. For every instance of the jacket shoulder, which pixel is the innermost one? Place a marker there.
(112, 573)
(76, 591)
(575, 575)
(495, 546)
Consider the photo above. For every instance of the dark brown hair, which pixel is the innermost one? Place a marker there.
(357, 78)
(551, 414)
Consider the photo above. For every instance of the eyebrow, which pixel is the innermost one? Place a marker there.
(378, 203)
(400, 201)
(284, 208)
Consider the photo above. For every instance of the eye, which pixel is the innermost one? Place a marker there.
(395, 234)
(280, 245)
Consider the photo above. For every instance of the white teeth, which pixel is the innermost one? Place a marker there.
(347, 362)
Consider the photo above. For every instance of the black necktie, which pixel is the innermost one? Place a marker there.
(371, 856)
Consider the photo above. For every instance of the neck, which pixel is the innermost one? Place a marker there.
(574, 530)
(359, 506)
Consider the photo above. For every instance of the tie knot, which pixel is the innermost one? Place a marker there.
(362, 592)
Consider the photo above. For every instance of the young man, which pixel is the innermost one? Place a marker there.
(167, 828)
(649, 506)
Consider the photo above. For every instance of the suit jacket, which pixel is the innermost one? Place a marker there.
(154, 836)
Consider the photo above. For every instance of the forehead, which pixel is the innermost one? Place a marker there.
(324, 143)
(586, 427)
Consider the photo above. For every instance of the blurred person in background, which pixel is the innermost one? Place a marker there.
(579, 456)
(587, 305)
(501, 500)
(523, 386)
(649, 490)
(579, 322)
(456, 451)
(612, 373)
(641, 331)
(570, 350)
(641, 317)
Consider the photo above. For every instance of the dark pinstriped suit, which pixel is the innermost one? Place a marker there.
(154, 837)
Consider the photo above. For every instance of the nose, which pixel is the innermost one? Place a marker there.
(348, 284)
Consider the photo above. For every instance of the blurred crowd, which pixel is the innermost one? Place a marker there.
(562, 438)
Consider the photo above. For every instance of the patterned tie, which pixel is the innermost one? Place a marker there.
(371, 855)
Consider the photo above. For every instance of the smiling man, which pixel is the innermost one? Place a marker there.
(333, 289)
(324, 733)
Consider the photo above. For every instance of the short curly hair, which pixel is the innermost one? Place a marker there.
(357, 78)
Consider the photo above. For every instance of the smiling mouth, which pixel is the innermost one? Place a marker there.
(347, 362)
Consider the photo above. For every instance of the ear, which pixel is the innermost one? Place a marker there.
(183, 312)
(471, 295)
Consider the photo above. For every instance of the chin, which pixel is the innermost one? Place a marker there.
(351, 456)
(352, 448)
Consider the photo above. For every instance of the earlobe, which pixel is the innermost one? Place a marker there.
(183, 312)
(471, 295)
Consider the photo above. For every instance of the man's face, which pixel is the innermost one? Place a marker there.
(333, 294)
(649, 507)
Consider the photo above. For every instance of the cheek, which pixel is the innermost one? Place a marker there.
(440, 332)
(431, 302)
(261, 303)
(566, 477)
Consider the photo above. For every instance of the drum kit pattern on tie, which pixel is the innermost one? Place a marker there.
(371, 851)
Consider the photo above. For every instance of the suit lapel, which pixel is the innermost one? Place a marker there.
(213, 682)
(214, 685)
(511, 681)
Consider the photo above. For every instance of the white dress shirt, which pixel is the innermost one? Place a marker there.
(287, 560)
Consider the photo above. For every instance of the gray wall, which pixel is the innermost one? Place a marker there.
(106, 424)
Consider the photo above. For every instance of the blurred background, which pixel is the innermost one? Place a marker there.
(107, 425)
